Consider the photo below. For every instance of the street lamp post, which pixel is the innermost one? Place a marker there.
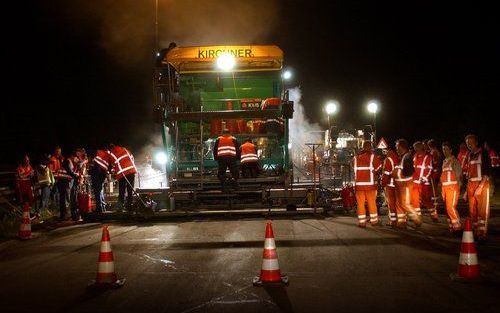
(331, 108)
(373, 108)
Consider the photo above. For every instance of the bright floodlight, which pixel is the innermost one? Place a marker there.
(331, 107)
(287, 75)
(372, 107)
(226, 62)
(161, 157)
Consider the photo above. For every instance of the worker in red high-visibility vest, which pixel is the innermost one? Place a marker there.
(24, 186)
(366, 166)
(420, 194)
(98, 172)
(495, 166)
(478, 186)
(226, 153)
(387, 181)
(124, 169)
(403, 181)
(249, 159)
(451, 179)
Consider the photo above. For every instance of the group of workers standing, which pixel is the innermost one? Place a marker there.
(65, 178)
(411, 180)
(227, 152)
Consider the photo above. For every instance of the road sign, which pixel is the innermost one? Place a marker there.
(382, 144)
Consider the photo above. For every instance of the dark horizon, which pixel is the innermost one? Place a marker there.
(433, 67)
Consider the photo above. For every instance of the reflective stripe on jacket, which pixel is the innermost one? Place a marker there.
(423, 168)
(123, 162)
(450, 172)
(495, 161)
(365, 166)
(399, 175)
(24, 172)
(389, 165)
(248, 153)
(102, 160)
(226, 147)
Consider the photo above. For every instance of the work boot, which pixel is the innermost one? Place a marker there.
(362, 225)
(417, 221)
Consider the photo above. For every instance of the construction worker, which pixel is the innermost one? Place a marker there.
(451, 179)
(420, 194)
(366, 165)
(387, 181)
(24, 186)
(437, 163)
(495, 166)
(478, 186)
(66, 185)
(55, 165)
(403, 181)
(124, 170)
(226, 154)
(249, 160)
(45, 180)
(98, 173)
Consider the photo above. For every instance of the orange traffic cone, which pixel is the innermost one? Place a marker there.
(25, 228)
(468, 267)
(106, 276)
(270, 272)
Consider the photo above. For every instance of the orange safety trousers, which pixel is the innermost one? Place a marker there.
(369, 196)
(417, 193)
(403, 201)
(390, 197)
(479, 205)
(428, 193)
(450, 194)
(25, 191)
(421, 196)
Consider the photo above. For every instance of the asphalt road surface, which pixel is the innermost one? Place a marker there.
(207, 265)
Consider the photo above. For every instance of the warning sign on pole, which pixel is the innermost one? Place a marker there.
(382, 144)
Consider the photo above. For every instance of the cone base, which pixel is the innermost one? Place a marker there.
(93, 284)
(458, 278)
(469, 271)
(258, 282)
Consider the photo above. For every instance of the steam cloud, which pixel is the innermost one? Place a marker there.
(302, 131)
(127, 27)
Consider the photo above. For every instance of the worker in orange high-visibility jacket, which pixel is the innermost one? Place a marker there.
(226, 153)
(420, 195)
(249, 159)
(124, 169)
(387, 181)
(478, 186)
(366, 166)
(495, 160)
(24, 186)
(100, 167)
(403, 181)
(56, 161)
(451, 179)
(495, 166)
(437, 163)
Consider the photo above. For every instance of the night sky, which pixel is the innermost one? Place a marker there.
(433, 67)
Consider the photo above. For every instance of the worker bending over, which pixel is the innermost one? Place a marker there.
(226, 154)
